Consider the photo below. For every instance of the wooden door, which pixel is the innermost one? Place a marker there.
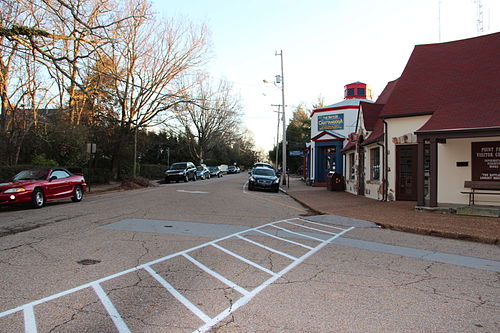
(406, 173)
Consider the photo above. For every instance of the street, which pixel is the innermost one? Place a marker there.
(212, 256)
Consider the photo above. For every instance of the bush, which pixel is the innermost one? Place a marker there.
(42, 160)
(151, 171)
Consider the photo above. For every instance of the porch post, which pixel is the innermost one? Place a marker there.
(433, 189)
(420, 171)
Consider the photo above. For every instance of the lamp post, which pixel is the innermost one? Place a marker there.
(282, 79)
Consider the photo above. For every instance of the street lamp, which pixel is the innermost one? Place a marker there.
(282, 80)
(277, 132)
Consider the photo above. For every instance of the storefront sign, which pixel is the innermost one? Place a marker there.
(331, 122)
(296, 153)
(486, 161)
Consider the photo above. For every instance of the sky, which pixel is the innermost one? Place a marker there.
(326, 44)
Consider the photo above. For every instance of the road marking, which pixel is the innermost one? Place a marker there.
(217, 275)
(194, 192)
(284, 239)
(298, 233)
(267, 248)
(28, 309)
(113, 313)
(194, 309)
(311, 228)
(322, 224)
(245, 260)
(29, 319)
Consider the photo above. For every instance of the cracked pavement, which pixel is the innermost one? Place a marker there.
(338, 289)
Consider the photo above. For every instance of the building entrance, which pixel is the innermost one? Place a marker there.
(406, 173)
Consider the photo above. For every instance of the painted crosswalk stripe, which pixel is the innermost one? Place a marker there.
(311, 228)
(321, 224)
(217, 275)
(245, 260)
(193, 308)
(108, 305)
(267, 247)
(298, 233)
(284, 239)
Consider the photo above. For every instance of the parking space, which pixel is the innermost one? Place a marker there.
(191, 290)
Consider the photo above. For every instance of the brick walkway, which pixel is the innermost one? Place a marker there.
(399, 215)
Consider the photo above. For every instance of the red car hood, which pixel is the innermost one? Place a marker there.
(18, 183)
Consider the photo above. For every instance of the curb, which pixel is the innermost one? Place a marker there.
(419, 231)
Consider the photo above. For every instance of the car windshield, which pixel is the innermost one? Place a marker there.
(178, 166)
(232, 167)
(32, 175)
(199, 168)
(264, 172)
(213, 168)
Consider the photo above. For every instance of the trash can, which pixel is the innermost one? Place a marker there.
(335, 182)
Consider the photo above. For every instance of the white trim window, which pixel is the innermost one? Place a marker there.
(352, 168)
(375, 163)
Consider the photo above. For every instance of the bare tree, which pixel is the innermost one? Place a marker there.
(212, 118)
(150, 59)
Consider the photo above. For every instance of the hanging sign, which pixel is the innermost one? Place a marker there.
(486, 161)
(331, 122)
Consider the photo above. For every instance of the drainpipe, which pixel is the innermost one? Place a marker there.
(384, 180)
(386, 161)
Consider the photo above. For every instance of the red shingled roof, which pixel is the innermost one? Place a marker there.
(472, 114)
(371, 112)
(464, 71)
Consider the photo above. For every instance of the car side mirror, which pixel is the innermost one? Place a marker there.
(52, 178)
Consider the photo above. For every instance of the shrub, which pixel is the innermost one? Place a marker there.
(151, 171)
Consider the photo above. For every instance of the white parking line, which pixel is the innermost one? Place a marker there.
(311, 228)
(194, 309)
(245, 260)
(284, 239)
(321, 224)
(267, 248)
(217, 275)
(29, 319)
(113, 313)
(298, 233)
(28, 310)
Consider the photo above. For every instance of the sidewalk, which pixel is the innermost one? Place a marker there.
(395, 215)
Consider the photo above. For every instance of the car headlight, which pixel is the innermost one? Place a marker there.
(16, 190)
(276, 181)
(251, 179)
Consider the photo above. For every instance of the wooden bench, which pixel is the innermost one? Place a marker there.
(481, 186)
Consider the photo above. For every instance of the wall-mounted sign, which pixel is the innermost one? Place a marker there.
(486, 161)
(296, 153)
(331, 122)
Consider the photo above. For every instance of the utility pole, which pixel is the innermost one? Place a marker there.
(277, 132)
(283, 114)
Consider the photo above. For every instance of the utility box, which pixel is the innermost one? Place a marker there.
(335, 182)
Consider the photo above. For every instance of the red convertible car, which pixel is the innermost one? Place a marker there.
(38, 186)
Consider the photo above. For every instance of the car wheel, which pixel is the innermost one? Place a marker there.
(167, 181)
(38, 198)
(194, 177)
(250, 188)
(77, 194)
(186, 178)
(277, 190)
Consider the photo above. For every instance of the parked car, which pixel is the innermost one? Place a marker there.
(223, 168)
(181, 171)
(263, 178)
(263, 165)
(215, 171)
(38, 186)
(202, 172)
(231, 169)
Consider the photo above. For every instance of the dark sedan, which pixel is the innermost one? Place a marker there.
(215, 171)
(38, 186)
(262, 178)
(181, 171)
